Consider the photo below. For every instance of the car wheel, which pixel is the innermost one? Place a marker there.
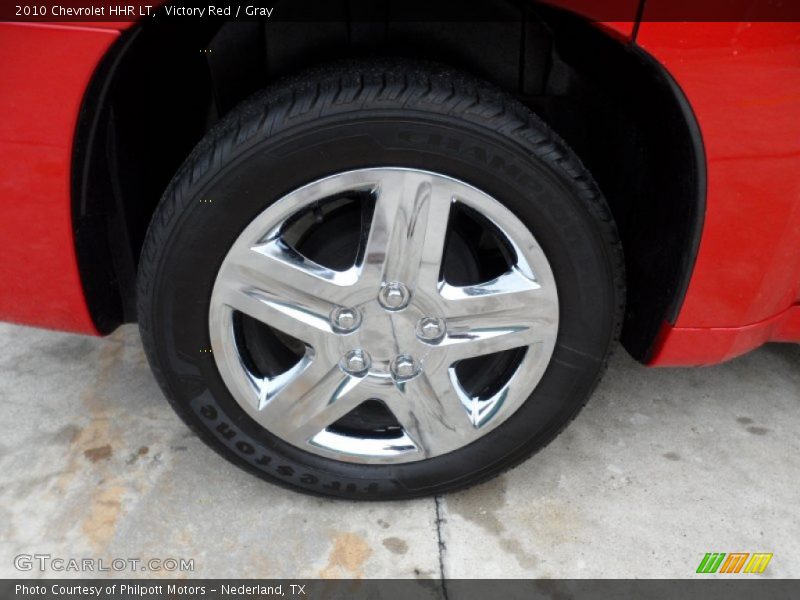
(380, 281)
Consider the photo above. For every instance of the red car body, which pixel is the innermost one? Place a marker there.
(740, 79)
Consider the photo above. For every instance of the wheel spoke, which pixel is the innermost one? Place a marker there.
(407, 232)
(481, 410)
(312, 400)
(298, 305)
(431, 413)
(278, 263)
(513, 290)
(482, 334)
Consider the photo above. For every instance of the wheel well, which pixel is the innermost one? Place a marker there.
(162, 86)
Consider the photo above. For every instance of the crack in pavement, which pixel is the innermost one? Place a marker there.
(442, 546)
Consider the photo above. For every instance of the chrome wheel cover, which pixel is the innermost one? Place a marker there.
(388, 328)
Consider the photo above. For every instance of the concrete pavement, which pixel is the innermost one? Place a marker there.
(660, 467)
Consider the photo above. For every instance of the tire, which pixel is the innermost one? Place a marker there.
(369, 118)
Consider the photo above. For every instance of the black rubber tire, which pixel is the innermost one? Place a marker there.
(358, 115)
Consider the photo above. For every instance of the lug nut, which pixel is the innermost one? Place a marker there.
(394, 296)
(404, 367)
(430, 329)
(356, 362)
(345, 320)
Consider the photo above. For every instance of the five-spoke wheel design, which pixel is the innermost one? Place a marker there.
(383, 315)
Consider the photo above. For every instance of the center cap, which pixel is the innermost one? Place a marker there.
(394, 296)
(384, 335)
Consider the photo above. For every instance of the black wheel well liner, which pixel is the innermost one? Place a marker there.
(162, 86)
